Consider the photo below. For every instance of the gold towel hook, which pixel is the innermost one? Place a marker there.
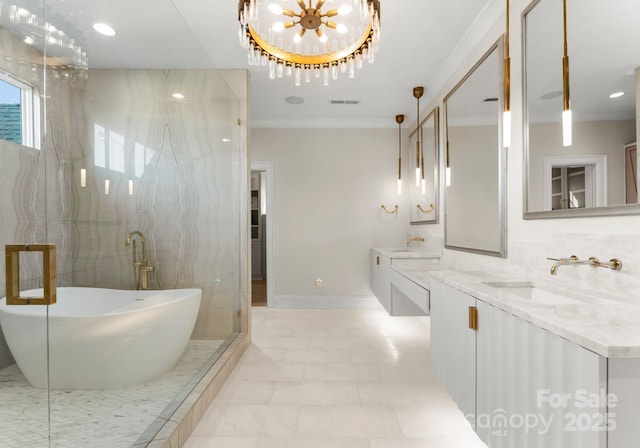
(431, 208)
(391, 212)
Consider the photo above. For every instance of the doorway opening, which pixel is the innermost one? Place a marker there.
(575, 182)
(262, 229)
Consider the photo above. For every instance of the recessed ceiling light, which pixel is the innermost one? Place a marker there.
(104, 29)
(616, 95)
(28, 40)
(177, 95)
(294, 100)
(226, 140)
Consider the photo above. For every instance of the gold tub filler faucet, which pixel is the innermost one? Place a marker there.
(142, 268)
(613, 264)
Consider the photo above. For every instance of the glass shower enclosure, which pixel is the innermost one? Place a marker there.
(128, 155)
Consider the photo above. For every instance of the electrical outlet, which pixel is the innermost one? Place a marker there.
(318, 283)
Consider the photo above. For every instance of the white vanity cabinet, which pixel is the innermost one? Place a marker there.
(380, 284)
(519, 385)
(453, 345)
(534, 388)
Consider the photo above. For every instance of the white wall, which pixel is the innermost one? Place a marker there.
(329, 188)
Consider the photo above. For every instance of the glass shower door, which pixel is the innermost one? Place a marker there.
(24, 398)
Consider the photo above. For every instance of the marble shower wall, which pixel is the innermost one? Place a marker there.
(188, 184)
(186, 164)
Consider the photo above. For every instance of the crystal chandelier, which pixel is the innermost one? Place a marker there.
(307, 40)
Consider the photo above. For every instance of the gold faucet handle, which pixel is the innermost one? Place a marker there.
(616, 264)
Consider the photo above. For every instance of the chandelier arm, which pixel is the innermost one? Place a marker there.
(330, 13)
(289, 13)
(302, 5)
(319, 4)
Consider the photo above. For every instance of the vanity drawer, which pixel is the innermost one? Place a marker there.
(416, 293)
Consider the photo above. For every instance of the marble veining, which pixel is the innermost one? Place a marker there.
(601, 322)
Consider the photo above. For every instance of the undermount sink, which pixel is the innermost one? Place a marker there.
(528, 291)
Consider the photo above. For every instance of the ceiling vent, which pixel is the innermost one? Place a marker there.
(344, 102)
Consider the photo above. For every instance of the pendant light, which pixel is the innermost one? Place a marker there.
(566, 99)
(399, 120)
(417, 93)
(447, 174)
(506, 115)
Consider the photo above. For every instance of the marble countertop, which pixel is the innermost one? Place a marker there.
(419, 274)
(607, 325)
(406, 253)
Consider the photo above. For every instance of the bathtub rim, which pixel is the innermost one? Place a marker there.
(15, 309)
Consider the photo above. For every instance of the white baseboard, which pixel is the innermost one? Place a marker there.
(326, 302)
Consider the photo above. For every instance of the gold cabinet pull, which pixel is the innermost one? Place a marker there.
(473, 318)
(378, 259)
(12, 271)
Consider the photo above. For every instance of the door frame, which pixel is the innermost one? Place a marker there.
(268, 169)
(599, 179)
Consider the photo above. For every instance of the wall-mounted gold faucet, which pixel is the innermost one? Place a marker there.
(613, 264)
(142, 268)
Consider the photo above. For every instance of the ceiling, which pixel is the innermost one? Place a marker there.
(417, 38)
(421, 41)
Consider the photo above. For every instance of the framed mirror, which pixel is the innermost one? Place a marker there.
(424, 200)
(475, 160)
(597, 174)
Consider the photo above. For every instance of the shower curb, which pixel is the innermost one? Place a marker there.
(176, 431)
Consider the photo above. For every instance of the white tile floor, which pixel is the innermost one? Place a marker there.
(333, 379)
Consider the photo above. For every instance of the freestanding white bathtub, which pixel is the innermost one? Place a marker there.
(100, 338)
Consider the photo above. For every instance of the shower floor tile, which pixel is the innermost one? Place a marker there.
(91, 418)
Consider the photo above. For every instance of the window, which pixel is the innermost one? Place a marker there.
(19, 112)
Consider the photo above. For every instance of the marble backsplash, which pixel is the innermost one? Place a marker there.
(531, 258)
(528, 260)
